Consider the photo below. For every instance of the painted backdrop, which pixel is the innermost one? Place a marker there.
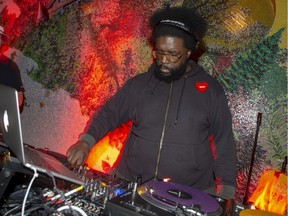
(73, 55)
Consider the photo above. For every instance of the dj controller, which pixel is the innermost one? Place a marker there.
(101, 195)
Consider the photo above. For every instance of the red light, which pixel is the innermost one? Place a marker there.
(166, 179)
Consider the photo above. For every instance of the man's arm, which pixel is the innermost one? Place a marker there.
(225, 149)
(111, 115)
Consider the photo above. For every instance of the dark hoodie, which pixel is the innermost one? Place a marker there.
(180, 117)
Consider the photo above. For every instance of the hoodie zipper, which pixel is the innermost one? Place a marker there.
(163, 130)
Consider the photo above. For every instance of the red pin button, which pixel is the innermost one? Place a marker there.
(201, 86)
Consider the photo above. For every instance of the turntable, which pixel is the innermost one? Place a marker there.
(179, 198)
(164, 198)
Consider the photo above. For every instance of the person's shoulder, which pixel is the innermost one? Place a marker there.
(140, 77)
(137, 82)
(8, 61)
(203, 76)
(143, 75)
(199, 72)
(4, 59)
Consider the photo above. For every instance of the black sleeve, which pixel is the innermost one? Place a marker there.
(225, 149)
(18, 85)
(10, 74)
(116, 111)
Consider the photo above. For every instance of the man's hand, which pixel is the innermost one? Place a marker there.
(77, 154)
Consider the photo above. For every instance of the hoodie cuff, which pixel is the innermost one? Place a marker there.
(88, 139)
(223, 191)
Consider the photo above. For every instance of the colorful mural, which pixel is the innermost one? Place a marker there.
(89, 50)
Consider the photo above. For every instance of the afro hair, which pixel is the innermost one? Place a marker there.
(192, 31)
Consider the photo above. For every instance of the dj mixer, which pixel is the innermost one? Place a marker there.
(101, 195)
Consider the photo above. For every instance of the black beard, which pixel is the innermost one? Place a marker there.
(176, 73)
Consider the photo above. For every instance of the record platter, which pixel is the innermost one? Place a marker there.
(164, 198)
(179, 198)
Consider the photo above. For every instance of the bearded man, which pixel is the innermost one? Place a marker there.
(176, 109)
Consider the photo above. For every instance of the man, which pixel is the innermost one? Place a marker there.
(9, 71)
(179, 115)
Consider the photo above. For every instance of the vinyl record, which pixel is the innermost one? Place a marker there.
(172, 196)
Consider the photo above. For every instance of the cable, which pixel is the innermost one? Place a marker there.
(72, 207)
(55, 185)
(53, 179)
(27, 191)
(19, 206)
(37, 207)
(68, 193)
